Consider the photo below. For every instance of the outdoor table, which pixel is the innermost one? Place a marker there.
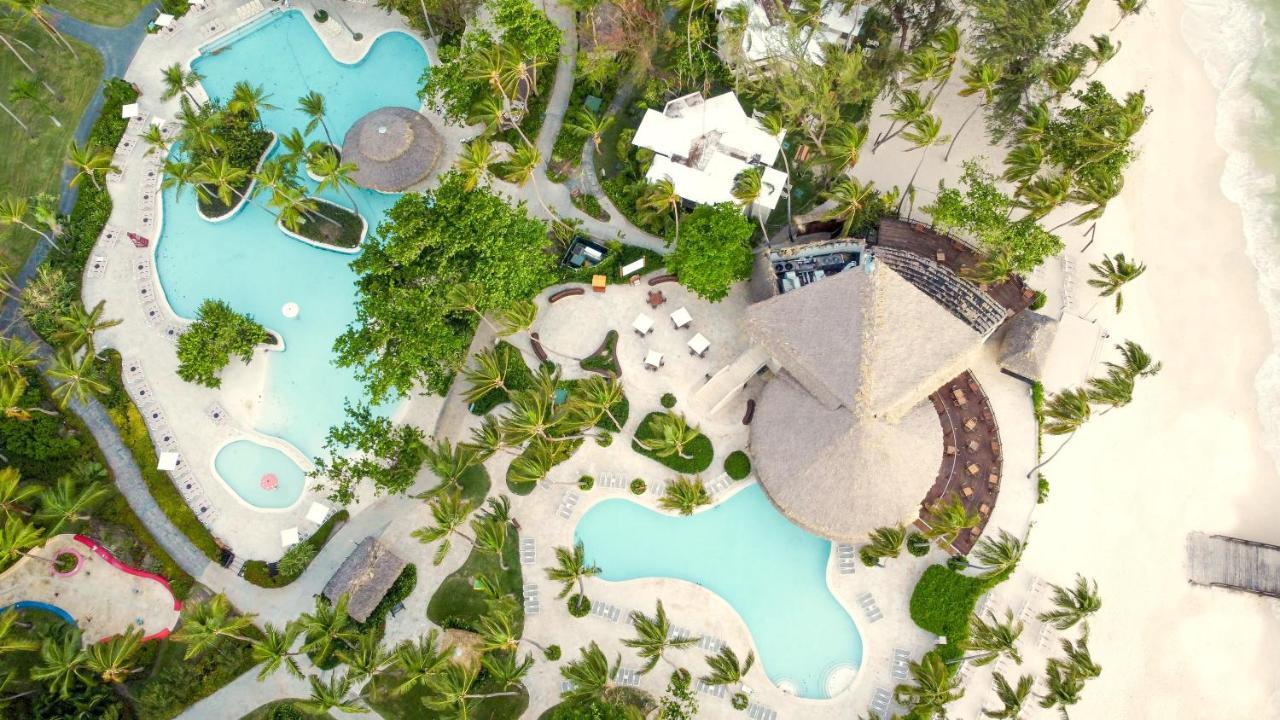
(643, 324)
(656, 298)
(680, 318)
(698, 345)
(653, 360)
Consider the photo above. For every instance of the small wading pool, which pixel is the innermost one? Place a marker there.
(262, 476)
(773, 574)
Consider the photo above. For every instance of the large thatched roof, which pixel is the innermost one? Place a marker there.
(393, 148)
(365, 577)
(837, 474)
(865, 339)
(1026, 344)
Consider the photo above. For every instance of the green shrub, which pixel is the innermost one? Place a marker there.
(699, 452)
(590, 205)
(604, 361)
(869, 557)
(586, 482)
(668, 400)
(957, 563)
(1042, 490)
(638, 487)
(737, 465)
(259, 572)
(917, 544)
(740, 701)
(1038, 301)
(207, 345)
(604, 439)
(552, 653)
(320, 15)
(942, 603)
(519, 377)
(579, 605)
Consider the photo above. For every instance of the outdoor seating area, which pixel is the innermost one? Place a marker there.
(972, 461)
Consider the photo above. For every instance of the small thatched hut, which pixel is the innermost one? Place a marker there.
(393, 148)
(1026, 345)
(365, 577)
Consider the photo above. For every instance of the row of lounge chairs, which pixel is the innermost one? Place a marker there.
(870, 608)
(531, 604)
(848, 556)
(528, 551)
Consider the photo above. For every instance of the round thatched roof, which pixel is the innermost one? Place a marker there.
(839, 474)
(393, 148)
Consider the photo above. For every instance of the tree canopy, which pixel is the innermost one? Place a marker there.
(370, 447)
(406, 331)
(217, 334)
(713, 251)
(981, 212)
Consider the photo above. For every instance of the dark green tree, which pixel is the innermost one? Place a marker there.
(217, 334)
(713, 251)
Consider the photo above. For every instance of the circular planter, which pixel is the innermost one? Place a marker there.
(67, 563)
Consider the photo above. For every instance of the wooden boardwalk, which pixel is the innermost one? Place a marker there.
(1222, 561)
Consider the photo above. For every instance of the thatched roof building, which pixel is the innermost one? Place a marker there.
(365, 577)
(1027, 341)
(844, 439)
(393, 148)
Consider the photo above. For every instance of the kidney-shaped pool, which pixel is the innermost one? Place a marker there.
(773, 574)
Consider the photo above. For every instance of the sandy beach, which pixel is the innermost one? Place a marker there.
(1189, 453)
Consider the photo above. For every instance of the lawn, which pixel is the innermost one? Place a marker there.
(457, 604)
(277, 709)
(112, 13)
(32, 165)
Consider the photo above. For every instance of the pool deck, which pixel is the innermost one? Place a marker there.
(104, 596)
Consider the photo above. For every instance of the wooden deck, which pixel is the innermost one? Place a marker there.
(1222, 561)
(970, 439)
(957, 256)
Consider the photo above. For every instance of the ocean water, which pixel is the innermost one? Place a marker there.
(1239, 43)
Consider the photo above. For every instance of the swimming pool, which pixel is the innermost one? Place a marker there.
(773, 574)
(263, 476)
(250, 264)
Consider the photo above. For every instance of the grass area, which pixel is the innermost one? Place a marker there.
(590, 205)
(943, 602)
(410, 705)
(261, 573)
(699, 452)
(284, 710)
(133, 431)
(332, 225)
(605, 359)
(457, 604)
(31, 165)
(112, 13)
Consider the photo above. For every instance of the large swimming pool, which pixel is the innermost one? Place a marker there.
(250, 264)
(773, 574)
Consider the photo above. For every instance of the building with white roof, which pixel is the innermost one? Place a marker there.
(702, 144)
(764, 40)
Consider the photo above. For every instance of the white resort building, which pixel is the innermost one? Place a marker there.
(702, 144)
(766, 37)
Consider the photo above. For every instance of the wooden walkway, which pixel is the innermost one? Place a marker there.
(971, 458)
(1222, 561)
(920, 239)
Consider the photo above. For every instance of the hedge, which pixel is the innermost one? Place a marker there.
(259, 572)
(700, 451)
(943, 602)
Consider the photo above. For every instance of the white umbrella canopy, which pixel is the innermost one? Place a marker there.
(317, 513)
(168, 461)
(289, 537)
(165, 20)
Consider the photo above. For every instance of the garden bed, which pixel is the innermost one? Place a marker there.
(331, 225)
(590, 205)
(260, 573)
(604, 360)
(457, 603)
(256, 145)
(519, 377)
(700, 452)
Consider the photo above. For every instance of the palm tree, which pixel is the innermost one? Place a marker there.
(908, 106)
(327, 628)
(1137, 363)
(249, 101)
(842, 146)
(453, 690)
(505, 670)
(1014, 698)
(156, 141)
(1023, 161)
(994, 268)
(17, 538)
(223, 177)
(1095, 189)
(590, 677)
(1102, 52)
(16, 356)
(34, 10)
(1127, 8)
(79, 326)
(179, 82)
(947, 518)
(487, 373)
(748, 186)
(725, 668)
(850, 196)
(924, 133)
(476, 163)
(26, 129)
(1074, 604)
(114, 659)
(995, 639)
(210, 624)
(14, 496)
(595, 397)
(589, 125)
(197, 128)
(313, 106)
(449, 511)
(1064, 687)
(450, 462)
(61, 662)
(179, 175)
(418, 661)
(571, 567)
(28, 91)
(65, 503)
(998, 558)
(275, 651)
(1064, 414)
(684, 495)
(13, 211)
(657, 199)
(1043, 193)
(1115, 390)
(931, 688)
(669, 435)
(980, 78)
(335, 174)
(653, 638)
(10, 642)
(332, 695)
(1113, 274)
(491, 537)
(88, 162)
(1078, 658)
(885, 542)
(366, 658)
(76, 380)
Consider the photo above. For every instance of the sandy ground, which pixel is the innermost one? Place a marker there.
(1188, 454)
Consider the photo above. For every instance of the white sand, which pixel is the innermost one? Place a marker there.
(1189, 453)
